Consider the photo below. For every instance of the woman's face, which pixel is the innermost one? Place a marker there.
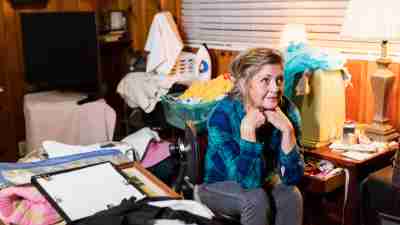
(265, 89)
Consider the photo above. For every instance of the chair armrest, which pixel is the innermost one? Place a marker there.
(389, 219)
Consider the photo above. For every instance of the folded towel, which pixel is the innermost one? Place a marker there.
(143, 90)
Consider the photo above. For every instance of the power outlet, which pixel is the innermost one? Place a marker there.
(22, 148)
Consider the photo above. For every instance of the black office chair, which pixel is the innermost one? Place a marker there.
(191, 165)
(189, 153)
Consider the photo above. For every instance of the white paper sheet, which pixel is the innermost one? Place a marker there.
(357, 155)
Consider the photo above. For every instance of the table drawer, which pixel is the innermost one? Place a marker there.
(317, 184)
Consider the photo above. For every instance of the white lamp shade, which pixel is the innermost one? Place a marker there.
(373, 20)
(293, 33)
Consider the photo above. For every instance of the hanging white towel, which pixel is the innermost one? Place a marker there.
(164, 44)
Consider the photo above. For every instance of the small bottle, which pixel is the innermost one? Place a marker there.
(349, 133)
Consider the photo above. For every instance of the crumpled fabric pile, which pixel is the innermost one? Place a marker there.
(302, 57)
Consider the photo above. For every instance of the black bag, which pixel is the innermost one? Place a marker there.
(132, 212)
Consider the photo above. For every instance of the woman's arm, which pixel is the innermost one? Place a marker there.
(292, 163)
(290, 159)
(229, 157)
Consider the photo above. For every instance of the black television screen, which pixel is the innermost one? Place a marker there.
(61, 50)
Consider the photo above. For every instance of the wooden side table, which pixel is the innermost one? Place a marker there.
(358, 170)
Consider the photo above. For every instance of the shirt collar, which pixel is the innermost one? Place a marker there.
(239, 107)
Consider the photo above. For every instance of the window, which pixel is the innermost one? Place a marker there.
(239, 24)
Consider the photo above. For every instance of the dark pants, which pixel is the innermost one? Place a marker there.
(283, 204)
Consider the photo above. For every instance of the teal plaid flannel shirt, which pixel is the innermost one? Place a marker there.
(229, 157)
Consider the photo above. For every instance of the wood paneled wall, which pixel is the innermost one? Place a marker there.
(359, 98)
(140, 18)
(11, 62)
(144, 11)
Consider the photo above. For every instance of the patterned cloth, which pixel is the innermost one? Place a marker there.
(229, 157)
(26, 206)
(20, 173)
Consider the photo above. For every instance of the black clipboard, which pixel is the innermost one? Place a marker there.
(81, 192)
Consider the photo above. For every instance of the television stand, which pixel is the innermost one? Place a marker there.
(55, 115)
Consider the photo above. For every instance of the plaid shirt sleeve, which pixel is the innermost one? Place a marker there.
(228, 156)
(292, 164)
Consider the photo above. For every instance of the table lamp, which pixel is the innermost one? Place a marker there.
(371, 20)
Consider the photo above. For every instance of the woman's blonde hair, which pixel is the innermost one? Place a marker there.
(249, 63)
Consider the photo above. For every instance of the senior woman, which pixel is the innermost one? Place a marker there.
(254, 133)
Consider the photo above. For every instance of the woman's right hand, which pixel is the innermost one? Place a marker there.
(253, 119)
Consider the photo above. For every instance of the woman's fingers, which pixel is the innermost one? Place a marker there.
(277, 118)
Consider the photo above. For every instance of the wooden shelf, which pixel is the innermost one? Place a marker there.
(113, 44)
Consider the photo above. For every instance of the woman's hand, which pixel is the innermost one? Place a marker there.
(279, 120)
(254, 119)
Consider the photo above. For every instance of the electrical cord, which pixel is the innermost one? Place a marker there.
(346, 191)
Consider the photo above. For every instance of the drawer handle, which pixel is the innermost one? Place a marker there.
(2, 89)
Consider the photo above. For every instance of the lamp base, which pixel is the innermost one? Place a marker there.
(382, 132)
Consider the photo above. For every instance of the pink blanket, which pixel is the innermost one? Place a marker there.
(26, 206)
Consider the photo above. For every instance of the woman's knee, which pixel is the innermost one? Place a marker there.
(289, 205)
(256, 198)
(255, 207)
(288, 195)
(295, 197)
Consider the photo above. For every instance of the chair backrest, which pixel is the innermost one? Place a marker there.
(190, 161)
(193, 164)
(194, 156)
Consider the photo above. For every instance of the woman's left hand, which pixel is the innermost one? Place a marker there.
(278, 119)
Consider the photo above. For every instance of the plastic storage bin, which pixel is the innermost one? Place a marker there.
(176, 113)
